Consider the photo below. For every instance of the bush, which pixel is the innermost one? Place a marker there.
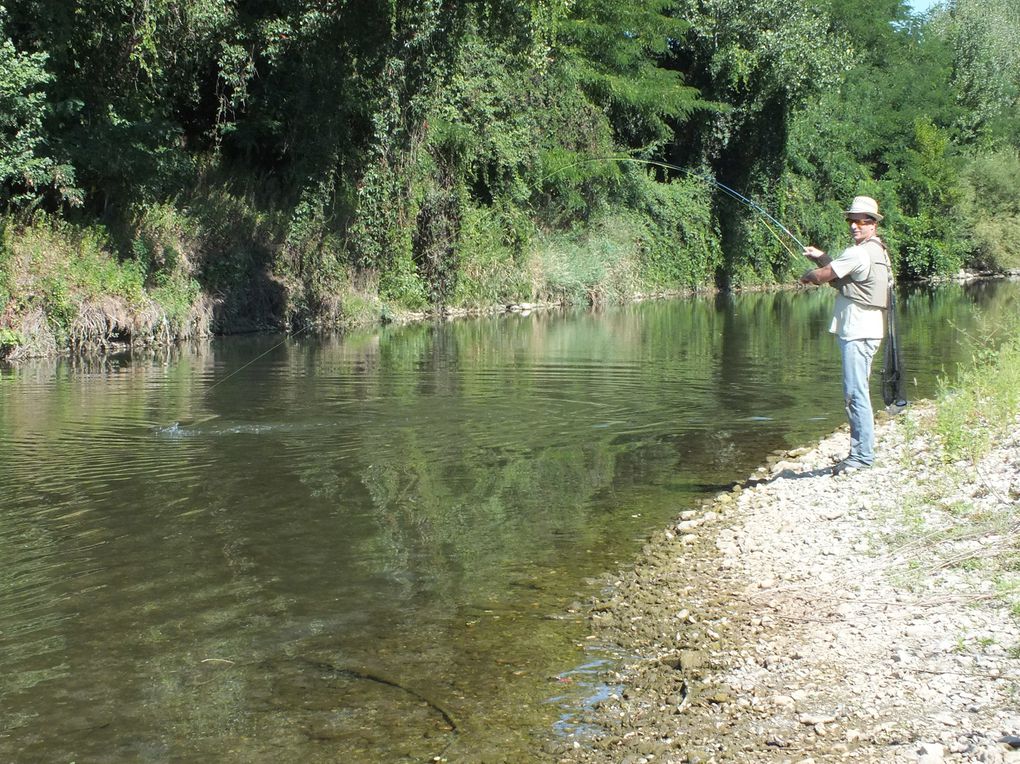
(992, 207)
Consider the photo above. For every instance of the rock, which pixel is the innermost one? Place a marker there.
(931, 753)
(784, 701)
(691, 660)
(812, 720)
(651, 748)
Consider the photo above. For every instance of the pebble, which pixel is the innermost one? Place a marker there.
(816, 719)
(784, 701)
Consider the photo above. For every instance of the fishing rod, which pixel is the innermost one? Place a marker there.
(893, 392)
(732, 193)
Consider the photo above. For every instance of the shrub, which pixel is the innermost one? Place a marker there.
(993, 209)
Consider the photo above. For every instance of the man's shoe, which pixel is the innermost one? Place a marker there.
(848, 465)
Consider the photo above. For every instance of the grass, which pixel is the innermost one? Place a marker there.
(983, 404)
(958, 520)
(602, 265)
(491, 251)
(10, 340)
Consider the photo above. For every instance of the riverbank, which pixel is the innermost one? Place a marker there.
(806, 618)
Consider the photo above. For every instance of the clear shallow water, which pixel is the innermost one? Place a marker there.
(365, 548)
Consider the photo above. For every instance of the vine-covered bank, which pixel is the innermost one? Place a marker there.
(174, 167)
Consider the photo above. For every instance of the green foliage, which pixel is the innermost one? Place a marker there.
(992, 208)
(492, 251)
(162, 250)
(929, 192)
(27, 173)
(759, 60)
(120, 69)
(615, 50)
(985, 35)
(602, 264)
(682, 248)
(63, 268)
(400, 283)
(575, 185)
(9, 342)
(762, 62)
(87, 293)
(7, 281)
(298, 162)
(893, 130)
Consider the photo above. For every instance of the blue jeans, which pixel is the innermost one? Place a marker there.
(857, 356)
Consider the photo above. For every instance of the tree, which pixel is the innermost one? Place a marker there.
(617, 52)
(27, 170)
(985, 36)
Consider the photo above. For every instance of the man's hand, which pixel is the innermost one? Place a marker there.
(813, 253)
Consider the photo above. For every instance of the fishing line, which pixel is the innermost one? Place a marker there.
(257, 358)
(732, 193)
(175, 426)
(767, 218)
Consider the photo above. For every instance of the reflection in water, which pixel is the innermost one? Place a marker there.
(360, 548)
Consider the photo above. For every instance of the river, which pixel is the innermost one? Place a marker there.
(377, 547)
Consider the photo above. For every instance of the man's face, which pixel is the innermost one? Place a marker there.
(862, 227)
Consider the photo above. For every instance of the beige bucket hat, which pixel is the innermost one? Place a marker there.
(864, 205)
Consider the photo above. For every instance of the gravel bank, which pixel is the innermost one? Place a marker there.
(806, 618)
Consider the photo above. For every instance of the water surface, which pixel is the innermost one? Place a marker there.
(367, 548)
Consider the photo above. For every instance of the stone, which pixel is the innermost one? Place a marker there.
(812, 720)
(931, 749)
(783, 701)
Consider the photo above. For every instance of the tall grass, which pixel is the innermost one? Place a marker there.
(983, 404)
(601, 265)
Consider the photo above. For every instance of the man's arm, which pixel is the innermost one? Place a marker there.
(823, 274)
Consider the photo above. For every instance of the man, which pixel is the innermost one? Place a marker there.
(861, 274)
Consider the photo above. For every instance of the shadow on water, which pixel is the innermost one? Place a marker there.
(378, 547)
